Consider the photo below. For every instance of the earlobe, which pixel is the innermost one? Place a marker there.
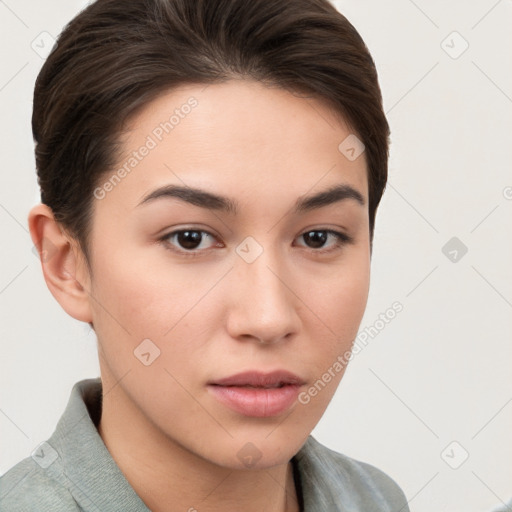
(62, 262)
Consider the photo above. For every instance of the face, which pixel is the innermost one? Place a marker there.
(189, 289)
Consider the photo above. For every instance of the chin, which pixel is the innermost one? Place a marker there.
(255, 452)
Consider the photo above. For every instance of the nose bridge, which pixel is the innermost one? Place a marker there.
(261, 278)
(262, 305)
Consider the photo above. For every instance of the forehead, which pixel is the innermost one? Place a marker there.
(240, 136)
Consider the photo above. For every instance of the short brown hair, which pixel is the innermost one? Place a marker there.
(116, 56)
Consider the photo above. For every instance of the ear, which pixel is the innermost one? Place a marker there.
(64, 268)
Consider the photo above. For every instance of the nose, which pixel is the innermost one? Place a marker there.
(262, 306)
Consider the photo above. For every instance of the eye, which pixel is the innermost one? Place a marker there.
(189, 241)
(316, 239)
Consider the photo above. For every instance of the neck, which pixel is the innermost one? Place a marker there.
(162, 472)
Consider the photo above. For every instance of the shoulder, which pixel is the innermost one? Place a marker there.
(365, 475)
(27, 487)
(336, 477)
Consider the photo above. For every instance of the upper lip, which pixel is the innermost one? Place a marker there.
(260, 379)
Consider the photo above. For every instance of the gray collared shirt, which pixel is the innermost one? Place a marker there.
(73, 471)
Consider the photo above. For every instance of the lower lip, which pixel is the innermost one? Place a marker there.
(256, 402)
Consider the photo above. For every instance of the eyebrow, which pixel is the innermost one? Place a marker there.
(204, 199)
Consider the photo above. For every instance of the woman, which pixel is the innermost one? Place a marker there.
(210, 173)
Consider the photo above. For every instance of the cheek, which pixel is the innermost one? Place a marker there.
(140, 296)
(152, 328)
(337, 303)
(339, 296)
(338, 308)
(349, 301)
(134, 301)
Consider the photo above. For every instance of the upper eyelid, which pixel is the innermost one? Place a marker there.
(180, 230)
(202, 230)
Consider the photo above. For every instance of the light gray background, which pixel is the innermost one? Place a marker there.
(441, 370)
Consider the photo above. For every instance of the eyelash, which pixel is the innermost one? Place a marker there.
(342, 240)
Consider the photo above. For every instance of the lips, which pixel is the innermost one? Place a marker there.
(256, 393)
(260, 380)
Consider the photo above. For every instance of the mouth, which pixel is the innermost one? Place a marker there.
(257, 394)
(258, 379)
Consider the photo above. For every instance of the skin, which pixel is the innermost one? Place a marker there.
(215, 315)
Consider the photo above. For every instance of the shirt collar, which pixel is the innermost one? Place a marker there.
(85, 466)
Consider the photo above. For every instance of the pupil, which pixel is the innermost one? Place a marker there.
(189, 239)
(317, 238)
